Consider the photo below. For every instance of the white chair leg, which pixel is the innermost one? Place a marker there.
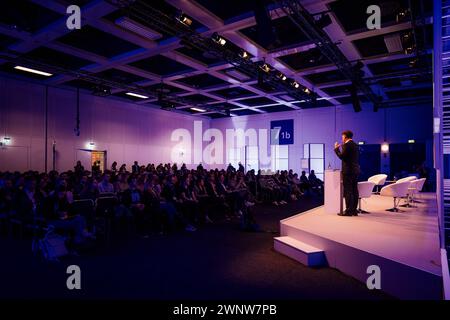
(395, 208)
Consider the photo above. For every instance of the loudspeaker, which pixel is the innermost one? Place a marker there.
(264, 28)
(355, 100)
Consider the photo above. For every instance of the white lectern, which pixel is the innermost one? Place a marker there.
(333, 194)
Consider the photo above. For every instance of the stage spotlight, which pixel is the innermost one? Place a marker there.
(244, 54)
(385, 147)
(184, 19)
(323, 21)
(295, 84)
(6, 141)
(413, 63)
(402, 15)
(281, 76)
(218, 39)
(306, 90)
(408, 43)
(265, 67)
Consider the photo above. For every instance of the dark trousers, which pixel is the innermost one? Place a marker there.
(350, 182)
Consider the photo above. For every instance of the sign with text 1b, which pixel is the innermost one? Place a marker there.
(282, 132)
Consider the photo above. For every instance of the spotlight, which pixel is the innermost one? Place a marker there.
(218, 39)
(90, 145)
(411, 141)
(6, 141)
(413, 63)
(244, 54)
(295, 84)
(409, 50)
(408, 43)
(265, 67)
(306, 90)
(385, 147)
(184, 19)
(402, 15)
(281, 76)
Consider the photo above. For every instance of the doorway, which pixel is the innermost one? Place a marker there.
(89, 157)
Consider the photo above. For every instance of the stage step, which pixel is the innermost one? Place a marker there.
(300, 251)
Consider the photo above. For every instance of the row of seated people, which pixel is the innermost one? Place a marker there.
(154, 197)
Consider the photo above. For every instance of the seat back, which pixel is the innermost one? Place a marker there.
(398, 190)
(420, 184)
(106, 194)
(417, 185)
(411, 178)
(106, 205)
(378, 179)
(365, 188)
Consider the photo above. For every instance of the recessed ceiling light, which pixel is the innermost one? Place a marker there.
(198, 109)
(42, 73)
(136, 95)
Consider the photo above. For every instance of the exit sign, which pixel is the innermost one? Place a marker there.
(282, 132)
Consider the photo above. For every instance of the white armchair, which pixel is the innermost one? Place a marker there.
(378, 179)
(411, 178)
(415, 187)
(397, 191)
(365, 189)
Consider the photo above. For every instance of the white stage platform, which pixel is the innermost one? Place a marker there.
(405, 245)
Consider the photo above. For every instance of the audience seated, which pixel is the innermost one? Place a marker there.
(157, 198)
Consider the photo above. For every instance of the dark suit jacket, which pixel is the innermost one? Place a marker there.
(350, 158)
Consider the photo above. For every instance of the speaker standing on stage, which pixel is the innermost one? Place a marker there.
(350, 171)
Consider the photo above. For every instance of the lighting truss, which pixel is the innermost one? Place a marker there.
(306, 23)
(144, 13)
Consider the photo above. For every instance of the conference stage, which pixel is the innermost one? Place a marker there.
(404, 245)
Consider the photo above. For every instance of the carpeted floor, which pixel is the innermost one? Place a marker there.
(217, 262)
